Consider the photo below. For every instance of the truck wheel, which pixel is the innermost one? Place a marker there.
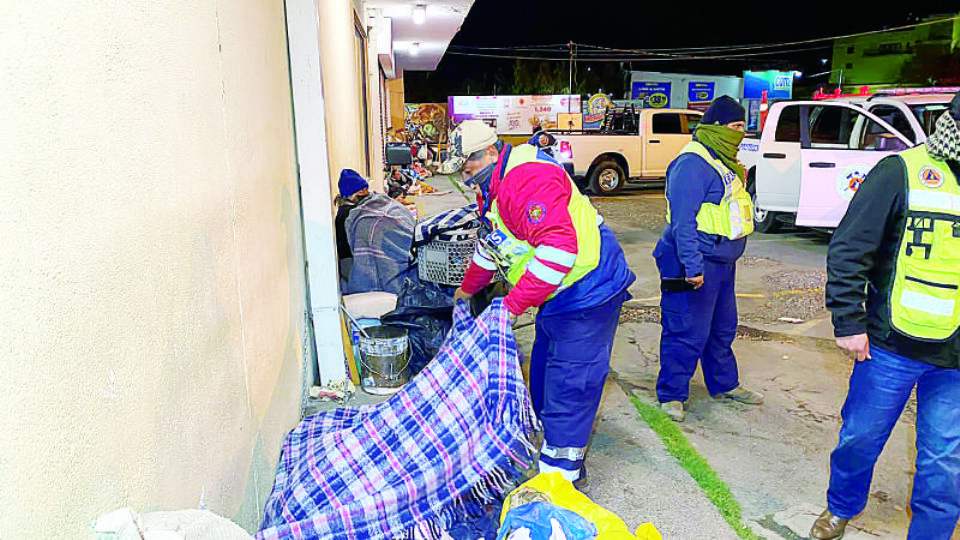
(608, 177)
(765, 221)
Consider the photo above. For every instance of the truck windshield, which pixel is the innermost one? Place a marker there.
(928, 114)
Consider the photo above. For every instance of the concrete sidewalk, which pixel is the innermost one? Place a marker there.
(449, 195)
(775, 457)
(632, 474)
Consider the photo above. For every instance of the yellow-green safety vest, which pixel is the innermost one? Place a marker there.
(925, 296)
(514, 256)
(733, 217)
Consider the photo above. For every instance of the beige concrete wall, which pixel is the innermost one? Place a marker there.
(374, 117)
(398, 112)
(341, 88)
(152, 300)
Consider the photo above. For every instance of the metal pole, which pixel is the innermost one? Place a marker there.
(570, 85)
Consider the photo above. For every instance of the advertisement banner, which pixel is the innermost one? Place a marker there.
(513, 115)
(777, 84)
(655, 95)
(701, 91)
(594, 111)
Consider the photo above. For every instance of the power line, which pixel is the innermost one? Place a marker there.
(537, 48)
(558, 47)
(638, 57)
(545, 59)
(716, 57)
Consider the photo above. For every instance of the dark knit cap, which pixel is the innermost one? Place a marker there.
(351, 182)
(723, 111)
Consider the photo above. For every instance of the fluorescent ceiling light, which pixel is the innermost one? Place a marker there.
(419, 13)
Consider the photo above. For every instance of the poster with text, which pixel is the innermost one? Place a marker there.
(655, 95)
(512, 115)
(699, 92)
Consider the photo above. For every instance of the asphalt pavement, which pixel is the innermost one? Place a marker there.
(775, 457)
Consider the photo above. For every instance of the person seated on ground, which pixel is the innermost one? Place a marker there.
(353, 189)
(377, 232)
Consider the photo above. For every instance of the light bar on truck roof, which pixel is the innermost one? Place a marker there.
(820, 95)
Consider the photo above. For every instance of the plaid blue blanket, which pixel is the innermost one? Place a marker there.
(456, 224)
(457, 432)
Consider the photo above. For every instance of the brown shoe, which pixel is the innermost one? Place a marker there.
(828, 527)
(582, 483)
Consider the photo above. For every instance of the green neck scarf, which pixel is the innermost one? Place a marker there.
(725, 142)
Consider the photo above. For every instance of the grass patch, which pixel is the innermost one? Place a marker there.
(700, 470)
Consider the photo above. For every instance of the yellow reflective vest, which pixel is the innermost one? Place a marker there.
(925, 296)
(733, 217)
(514, 256)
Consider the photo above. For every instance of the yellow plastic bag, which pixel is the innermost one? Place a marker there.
(555, 489)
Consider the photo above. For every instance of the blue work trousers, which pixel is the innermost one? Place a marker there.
(568, 369)
(699, 325)
(879, 389)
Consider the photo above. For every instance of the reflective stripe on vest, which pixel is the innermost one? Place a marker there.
(515, 257)
(925, 296)
(733, 217)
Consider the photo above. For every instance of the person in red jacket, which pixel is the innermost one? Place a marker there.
(550, 244)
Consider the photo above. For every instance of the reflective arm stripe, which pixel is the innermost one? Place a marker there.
(556, 256)
(545, 273)
(482, 261)
(940, 201)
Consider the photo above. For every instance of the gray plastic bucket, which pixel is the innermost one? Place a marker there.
(384, 359)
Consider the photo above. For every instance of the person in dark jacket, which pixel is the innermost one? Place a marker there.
(709, 215)
(894, 291)
(353, 189)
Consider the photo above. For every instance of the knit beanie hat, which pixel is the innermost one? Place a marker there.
(723, 111)
(351, 182)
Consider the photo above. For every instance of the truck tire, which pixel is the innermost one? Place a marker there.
(765, 221)
(607, 177)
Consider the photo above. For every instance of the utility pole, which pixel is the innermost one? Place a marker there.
(570, 86)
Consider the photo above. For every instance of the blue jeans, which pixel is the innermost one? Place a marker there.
(879, 389)
(700, 326)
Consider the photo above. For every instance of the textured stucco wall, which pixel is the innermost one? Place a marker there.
(342, 87)
(152, 297)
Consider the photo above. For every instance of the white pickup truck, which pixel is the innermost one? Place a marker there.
(812, 155)
(640, 150)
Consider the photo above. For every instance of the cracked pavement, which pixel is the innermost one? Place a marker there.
(774, 457)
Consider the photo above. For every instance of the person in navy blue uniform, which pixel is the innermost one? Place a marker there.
(697, 269)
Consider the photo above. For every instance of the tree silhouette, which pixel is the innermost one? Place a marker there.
(933, 66)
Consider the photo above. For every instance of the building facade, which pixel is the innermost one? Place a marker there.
(881, 58)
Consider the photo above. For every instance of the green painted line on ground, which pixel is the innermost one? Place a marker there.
(697, 466)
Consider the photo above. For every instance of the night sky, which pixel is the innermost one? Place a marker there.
(654, 25)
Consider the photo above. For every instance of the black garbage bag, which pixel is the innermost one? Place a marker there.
(426, 311)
